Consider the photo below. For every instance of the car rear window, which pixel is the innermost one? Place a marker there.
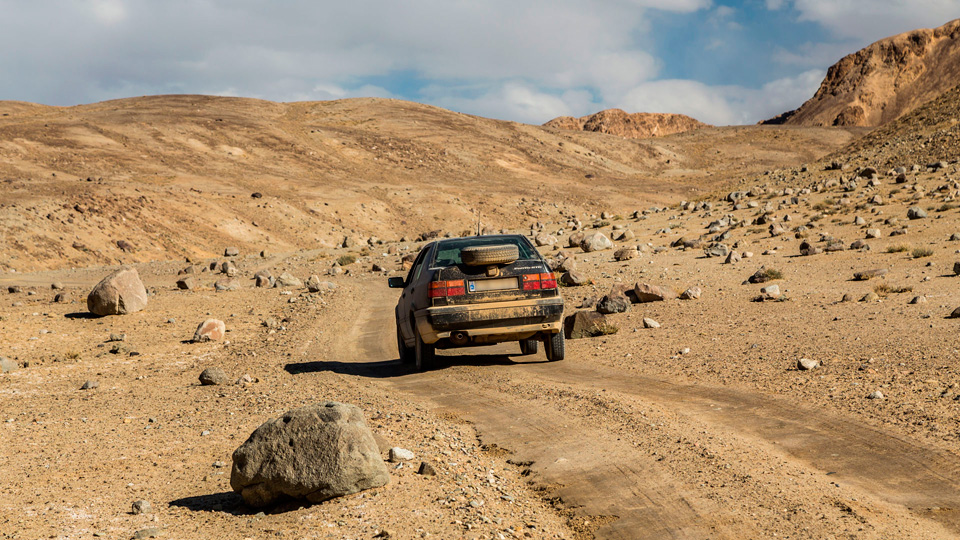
(448, 251)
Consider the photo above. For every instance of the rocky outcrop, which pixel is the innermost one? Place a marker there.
(884, 81)
(631, 126)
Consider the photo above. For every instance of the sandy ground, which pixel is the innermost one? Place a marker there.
(629, 437)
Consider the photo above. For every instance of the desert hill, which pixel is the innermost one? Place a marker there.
(174, 176)
(927, 135)
(883, 81)
(623, 124)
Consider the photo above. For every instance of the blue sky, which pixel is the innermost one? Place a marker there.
(722, 62)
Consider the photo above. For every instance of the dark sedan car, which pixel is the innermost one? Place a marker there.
(478, 290)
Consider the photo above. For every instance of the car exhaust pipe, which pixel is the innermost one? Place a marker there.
(459, 338)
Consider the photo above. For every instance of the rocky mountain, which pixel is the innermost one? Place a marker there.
(884, 81)
(632, 126)
(928, 135)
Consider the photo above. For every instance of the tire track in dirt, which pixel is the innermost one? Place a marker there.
(601, 472)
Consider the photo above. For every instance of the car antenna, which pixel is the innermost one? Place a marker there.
(478, 221)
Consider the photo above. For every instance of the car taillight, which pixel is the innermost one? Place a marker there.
(533, 282)
(442, 289)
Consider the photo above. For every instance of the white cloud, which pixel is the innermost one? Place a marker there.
(723, 105)
(259, 48)
(325, 91)
(109, 12)
(871, 20)
(512, 101)
(811, 55)
(774, 5)
(681, 6)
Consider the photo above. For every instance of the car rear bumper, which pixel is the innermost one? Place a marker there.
(491, 322)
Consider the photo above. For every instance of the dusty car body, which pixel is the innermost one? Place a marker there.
(478, 290)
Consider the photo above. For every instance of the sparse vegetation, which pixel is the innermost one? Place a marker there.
(604, 329)
(883, 289)
(72, 355)
(921, 252)
(824, 205)
(772, 274)
(344, 260)
(898, 248)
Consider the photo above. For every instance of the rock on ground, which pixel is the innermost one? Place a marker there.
(7, 365)
(210, 330)
(397, 454)
(626, 253)
(652, 293)
(228, 284)
(141, 507)
(693, 293)
(316, 452)
(213, 376)
(806, 364)
(572, 278)
(613, 303)
(583, 324)
(119, 293)
(595, 242)
(287, 280)
(186, 284)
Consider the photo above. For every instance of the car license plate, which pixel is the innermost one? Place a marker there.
(501, 284)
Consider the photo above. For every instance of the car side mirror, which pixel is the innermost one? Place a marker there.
(396, 282)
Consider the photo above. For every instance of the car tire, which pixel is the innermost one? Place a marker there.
(553, 343)
(406, 353)
(529, 346)
(486, 255)
(423, 353)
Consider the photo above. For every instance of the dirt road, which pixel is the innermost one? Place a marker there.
(649, 458)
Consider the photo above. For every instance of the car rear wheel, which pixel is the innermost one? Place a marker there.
(423, 353)
(406, 353)
(553, 343)
(529, 346)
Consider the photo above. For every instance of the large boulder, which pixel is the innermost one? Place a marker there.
(574, 239)
(595, 242)
(626, 253)
(652, 293)
(119, 293)
(584, 324)
(316, 452)
(613, 303)
(210, 330)
(286, 281)
(544, 239)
